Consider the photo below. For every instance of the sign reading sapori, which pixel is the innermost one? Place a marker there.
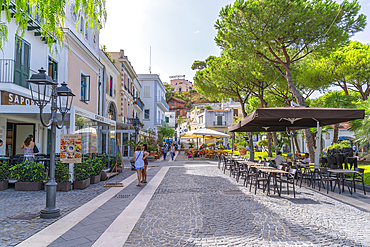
(8, 98)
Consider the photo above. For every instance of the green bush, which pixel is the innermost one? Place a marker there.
(220, 146)
(96, 166)
(4, 171)
(62, 174)
(28, 171)
(81, 170)
(339, 145)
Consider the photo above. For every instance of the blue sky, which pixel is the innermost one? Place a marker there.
(179, 32)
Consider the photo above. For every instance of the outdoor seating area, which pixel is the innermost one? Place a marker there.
(265, 175)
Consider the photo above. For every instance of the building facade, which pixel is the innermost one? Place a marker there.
(177, 106)
(153, 96)
(181, 85)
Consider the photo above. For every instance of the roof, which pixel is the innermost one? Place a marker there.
(176, 99)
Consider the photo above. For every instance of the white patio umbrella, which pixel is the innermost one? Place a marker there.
(205, 133)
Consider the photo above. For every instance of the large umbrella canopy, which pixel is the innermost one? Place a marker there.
(205, 133)
(293, 118)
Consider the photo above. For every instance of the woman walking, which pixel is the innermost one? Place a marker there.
(173, 150)
(165, 150)
(139, 163)
(28, 146)
(146, 154)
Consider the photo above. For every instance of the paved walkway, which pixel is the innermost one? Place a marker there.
(192, 203)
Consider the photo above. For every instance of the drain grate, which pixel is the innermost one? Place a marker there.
(24, 216)
(122, 196)
(232, 192)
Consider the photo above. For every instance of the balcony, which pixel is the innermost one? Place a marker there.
(160, 122)
(219, 124)
(138, 105)
(17, 74)
(161, 102)
(131, 122)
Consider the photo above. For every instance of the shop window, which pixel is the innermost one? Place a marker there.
(53, 69)
(22, 62)
(111, 86)
(85, 88)
(146, 91)
(146, 114)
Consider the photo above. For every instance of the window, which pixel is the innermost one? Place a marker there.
(236, 112)
(219, 120)
(179, 89)
(172, 104)
(111, 86)
(178, 113)
(146, 91)
(22, 62)
(167, 119)
(201, 119)
(53, 69)
(85, 88)
(146, 114)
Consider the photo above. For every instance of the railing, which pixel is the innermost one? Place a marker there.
(163, 101)
(139, 103)
(10, 74)
(219, 123)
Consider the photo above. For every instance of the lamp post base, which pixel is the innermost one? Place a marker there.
(49, 213)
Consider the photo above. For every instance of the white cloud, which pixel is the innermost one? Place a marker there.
(197, 31)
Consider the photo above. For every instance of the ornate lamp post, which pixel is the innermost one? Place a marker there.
(43, 91)
(136, 123)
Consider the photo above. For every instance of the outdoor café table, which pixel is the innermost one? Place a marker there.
(308, 170)
(273, 173)
(342, 176)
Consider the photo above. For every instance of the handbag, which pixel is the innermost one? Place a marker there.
(35, 149)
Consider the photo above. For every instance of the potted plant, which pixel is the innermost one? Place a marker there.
(191, 144)
(82, 176)
(62, 176)
(29, 175)
(241, 148)
(4, 175)
(220, 146)
(96, 167)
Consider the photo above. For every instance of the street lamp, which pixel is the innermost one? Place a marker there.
(136, 123)
(43, 91)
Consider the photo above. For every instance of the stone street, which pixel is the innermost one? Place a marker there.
(187, 203)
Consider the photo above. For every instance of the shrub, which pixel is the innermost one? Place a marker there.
(221, 147)
(191, 144)
(81, 170)
(28, 171)
(4, 171)
(96, 166)
(62, 174)
(211, 144)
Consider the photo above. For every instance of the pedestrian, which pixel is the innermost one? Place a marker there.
(139, 163)
(173, 150)
(165, 150)
(28, 146)
(146, 154)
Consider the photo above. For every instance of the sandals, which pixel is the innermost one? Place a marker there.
(138, 185)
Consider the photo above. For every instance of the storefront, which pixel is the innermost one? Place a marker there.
(98, 133)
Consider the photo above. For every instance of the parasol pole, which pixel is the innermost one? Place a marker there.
(318, 144)
(232, 144)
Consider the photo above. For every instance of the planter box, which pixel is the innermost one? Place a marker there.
(3, 185)
(242, 152)
(103, 176)
(66, 186)
(95, 179)
(28, 186)
(81, 185)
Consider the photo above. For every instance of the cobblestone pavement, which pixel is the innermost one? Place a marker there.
(14, 202)
(191, 208)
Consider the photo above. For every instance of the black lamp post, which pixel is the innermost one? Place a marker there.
(43, 91)
(136, 123)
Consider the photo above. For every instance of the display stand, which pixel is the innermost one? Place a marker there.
(115, 184)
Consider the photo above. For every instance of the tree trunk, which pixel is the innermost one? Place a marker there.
(336, 133)
(269, 139)
(300, 101)
(250, 135)
(276, 143)
(296, 144)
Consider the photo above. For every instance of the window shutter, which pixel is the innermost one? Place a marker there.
(146, 91)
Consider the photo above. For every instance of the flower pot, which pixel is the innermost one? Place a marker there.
(3, 185)
(81, 185)
(28, 186)
(95, 179)
(243, 152)
(103, 176)
(66, 186)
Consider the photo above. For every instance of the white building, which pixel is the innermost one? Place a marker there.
(153, 96)
(170, 119)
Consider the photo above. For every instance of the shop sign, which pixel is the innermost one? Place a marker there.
(95, 117)
(71, 148)
(8, 98)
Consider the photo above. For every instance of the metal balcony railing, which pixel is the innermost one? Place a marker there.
(163, 101)
(139, 103)
(219, 123)
(9, 73)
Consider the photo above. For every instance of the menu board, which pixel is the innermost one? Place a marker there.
(71, 148)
